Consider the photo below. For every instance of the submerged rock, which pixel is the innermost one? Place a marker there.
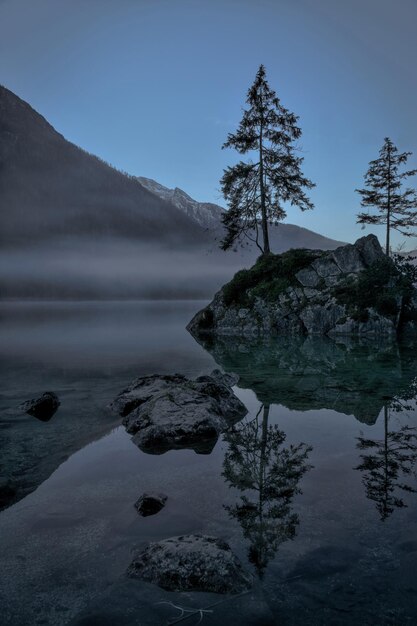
(43, 408)
(353, 290)
(150, 503)
(165, 412)
(191, 563)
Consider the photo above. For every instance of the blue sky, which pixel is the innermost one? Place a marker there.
(154, 86)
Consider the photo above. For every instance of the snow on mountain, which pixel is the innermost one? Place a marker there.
(282, 236)
(206, 214)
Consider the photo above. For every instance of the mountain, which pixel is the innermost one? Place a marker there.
(49, 187)
(206, 214)
(72, 226)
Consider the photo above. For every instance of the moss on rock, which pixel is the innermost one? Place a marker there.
(269, 277)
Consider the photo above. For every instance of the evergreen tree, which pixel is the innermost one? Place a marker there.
(397, 208)
(257, 190)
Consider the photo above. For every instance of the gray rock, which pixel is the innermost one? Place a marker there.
(191, 563)
(171, 412)
(369, 249)
(150, 503)
(326, 267)
(142, 390)
(43, 408)
(311, 293)
(331, 281)
(308, 277)
(349, 259)
(309, 307)
(319, 320)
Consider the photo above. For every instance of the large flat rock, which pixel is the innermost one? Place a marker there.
(165, 412)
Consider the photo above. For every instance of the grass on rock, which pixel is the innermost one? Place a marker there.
(271, 275)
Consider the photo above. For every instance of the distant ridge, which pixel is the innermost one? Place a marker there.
(208, 215)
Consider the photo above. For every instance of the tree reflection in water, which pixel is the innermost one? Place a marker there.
(258, 464)
(388, 464)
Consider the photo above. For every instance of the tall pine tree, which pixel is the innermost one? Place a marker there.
(256, 191)
(397, 209)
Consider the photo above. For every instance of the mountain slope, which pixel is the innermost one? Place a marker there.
(50, 187)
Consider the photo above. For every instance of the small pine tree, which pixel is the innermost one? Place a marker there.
(397, 208)
(255, 191)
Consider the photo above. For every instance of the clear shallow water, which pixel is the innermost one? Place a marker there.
(326, 543)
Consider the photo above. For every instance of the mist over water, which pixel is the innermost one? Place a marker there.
(115, 268)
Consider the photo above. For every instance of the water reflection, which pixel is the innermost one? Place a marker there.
(258, 464)
(349, 376)
(365, 379)
(388, 464)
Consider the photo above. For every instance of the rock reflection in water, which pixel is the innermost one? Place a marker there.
(388, 464)
(354, 377)
(258, 464)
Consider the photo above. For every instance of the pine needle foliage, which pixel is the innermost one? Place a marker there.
(256, 191)
(396, 208)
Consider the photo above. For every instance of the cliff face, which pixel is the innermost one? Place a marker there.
(353, 290)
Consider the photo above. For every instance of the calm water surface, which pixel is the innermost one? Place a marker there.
(314, 489)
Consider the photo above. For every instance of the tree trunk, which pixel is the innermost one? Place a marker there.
(387, 243)
(265, 234)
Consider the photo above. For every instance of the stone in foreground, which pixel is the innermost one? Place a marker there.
(165, 412)
(191, 563)
(43, 408)
(353, 290)
(150, 503)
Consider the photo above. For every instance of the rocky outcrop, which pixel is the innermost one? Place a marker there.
(43, 408)
(322, 297)
(169, 412)
(191, 563)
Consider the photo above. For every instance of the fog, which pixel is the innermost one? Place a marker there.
(115, 269)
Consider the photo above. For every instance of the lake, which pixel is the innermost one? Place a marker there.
(314, 490)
